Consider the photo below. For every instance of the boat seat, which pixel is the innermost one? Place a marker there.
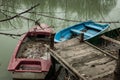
(78, 32)
(94, 27)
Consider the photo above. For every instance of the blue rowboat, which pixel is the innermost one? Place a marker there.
(89, 28)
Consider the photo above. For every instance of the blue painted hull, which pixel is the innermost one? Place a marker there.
(89, 28)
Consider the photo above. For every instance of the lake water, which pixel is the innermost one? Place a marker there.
(56, 13)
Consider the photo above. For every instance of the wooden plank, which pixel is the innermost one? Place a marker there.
(75, 51)
(85, 57)
(117, 69)
(104, 70)
(66, 65)
(83, 60)
(110, 39)
(67, 43)
(97, 69)
(52, 40)
(114, 57)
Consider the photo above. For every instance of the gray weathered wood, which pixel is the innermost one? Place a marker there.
(110, 39)
(64, 63)
(83, 60)
(102, 51)
(117, 69)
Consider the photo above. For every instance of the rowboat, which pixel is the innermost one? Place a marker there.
(108, 41)
(94, 59)
(89, 29)
(83, 60)
(30, 59)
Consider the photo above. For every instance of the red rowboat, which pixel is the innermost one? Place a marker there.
(31, 59)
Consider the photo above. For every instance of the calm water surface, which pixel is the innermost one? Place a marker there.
(56, 13)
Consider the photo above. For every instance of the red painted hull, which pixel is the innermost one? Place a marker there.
(30, 68)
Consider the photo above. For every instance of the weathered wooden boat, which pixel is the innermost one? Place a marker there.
(89, 28)
(30, 59)
(108, 41)
(84, 60)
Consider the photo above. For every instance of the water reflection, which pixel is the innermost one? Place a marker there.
(91, 8)
(68, 9)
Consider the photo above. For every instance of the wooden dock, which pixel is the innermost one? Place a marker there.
(83, 60)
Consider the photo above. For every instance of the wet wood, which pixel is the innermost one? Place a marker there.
(81, 37)
(104, 51)
(110, 39)
(64, 63)
(117, 69)
(83, 60)
(52, 40)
